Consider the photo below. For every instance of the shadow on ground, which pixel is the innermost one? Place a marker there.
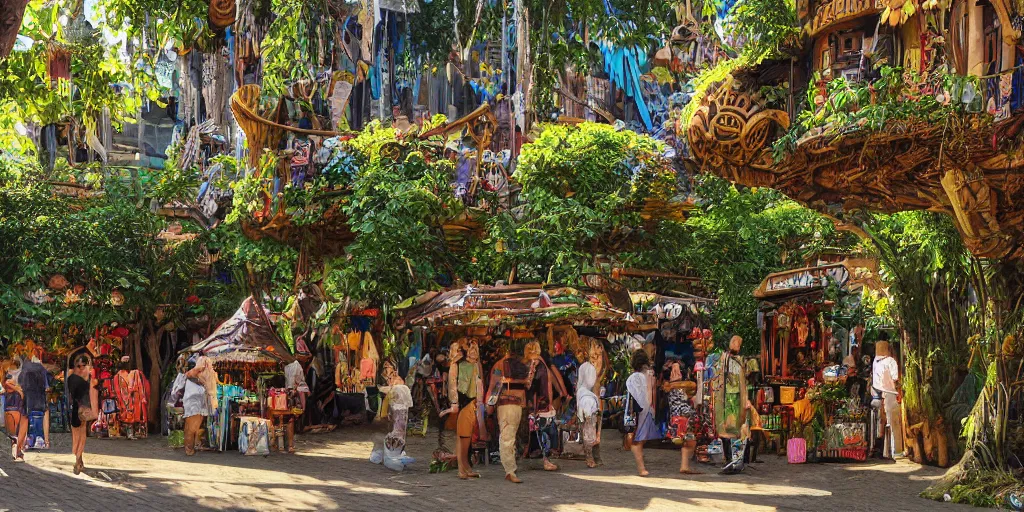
(332, 473)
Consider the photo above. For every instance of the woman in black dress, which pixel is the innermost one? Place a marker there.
(83, 406)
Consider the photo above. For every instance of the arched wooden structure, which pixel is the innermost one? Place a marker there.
(962, 167)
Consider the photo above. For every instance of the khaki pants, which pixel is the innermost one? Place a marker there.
(894, 418)
(508, 426)
(192, 426)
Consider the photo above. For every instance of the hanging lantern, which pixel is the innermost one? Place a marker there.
(57, 282)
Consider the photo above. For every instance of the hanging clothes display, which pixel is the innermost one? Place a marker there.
(131, 391)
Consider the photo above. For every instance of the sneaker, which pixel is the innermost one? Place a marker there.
(899, 456)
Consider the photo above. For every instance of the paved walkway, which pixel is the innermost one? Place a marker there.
(331, 472)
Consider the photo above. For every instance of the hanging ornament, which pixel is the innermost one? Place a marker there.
(57, 282)
(116, 298)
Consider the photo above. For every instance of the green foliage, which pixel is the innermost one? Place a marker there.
(583, 185)
(396, 209)
(292, 47)
(928, 271)
(27, 95)
(764, 27)
(100, 245)
(737, 237)
(898, 95)
(181, 23)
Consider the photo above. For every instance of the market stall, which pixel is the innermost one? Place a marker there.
(252, 394)
(808, 358)
(676, 332)
(564, 321)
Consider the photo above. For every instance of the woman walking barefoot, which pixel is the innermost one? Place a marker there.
(641, 390)
(84, 406)
(465, 389)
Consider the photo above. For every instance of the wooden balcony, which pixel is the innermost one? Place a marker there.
(830, 12)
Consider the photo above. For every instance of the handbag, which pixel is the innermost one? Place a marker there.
(277, 399)
(629, 415)
(86, 414)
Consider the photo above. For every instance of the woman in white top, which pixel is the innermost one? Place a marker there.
(885, 375)
(588, 405)
(641, 393)
(198, 401)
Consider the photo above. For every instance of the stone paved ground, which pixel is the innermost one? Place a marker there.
(331, 472)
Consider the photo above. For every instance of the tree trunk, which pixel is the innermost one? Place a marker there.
(11, 14)
(154, 336)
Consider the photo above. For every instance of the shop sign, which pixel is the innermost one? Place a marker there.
(808, 278)
(830, 12)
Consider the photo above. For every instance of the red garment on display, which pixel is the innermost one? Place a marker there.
(131, 390)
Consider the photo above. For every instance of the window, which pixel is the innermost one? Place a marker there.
(993, 40)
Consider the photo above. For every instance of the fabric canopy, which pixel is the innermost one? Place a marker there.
(247, 336)
(492, 305)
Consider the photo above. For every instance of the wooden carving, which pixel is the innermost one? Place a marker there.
(965, 167)
(731, 131)
(221, 14)
(480, 124)
(260, 131)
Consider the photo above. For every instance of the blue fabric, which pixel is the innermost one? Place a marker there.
(624, 67)
(646, 430)
(361, 323)
(229, 36)
(1017, 96)
(416, 84)
(375, 78)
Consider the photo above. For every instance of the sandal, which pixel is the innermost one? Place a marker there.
(689, 472)
(550, 466)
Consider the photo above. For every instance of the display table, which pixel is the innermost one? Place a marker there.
(283, 429)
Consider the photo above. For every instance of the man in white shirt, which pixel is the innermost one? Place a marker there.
(885, 374)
